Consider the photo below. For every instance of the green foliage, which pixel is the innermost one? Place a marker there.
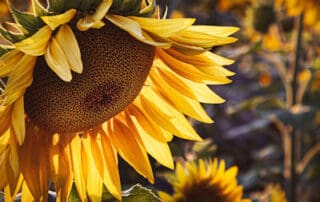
(133, 194)
(29, 23)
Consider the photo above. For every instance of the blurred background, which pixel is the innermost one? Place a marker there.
(271, 118)
(269, 123)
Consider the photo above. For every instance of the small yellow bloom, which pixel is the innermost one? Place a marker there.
(310, 9)
(205, 181)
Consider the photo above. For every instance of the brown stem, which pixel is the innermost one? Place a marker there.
(294, 142)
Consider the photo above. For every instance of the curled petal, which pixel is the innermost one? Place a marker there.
(36, 44)
(56, 20)
(57, 60)
(95, 20)
(70, 47)
(18, 120)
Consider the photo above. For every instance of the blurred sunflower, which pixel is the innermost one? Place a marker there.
(84, 81)
(4, 10)
(227, 5)
(310, 9)
(205, 181)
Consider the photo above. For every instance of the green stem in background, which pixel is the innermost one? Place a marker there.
(294, 85)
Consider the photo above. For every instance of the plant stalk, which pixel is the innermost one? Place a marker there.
(294, 135)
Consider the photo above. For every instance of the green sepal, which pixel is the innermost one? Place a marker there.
(139, 193)
(29, 23)
(38, 9)
(149, 10)
(87, 5)
(126, 7)
(116, 4)
(12, 37)
(72, 4)
(4, 50)
(56, 6)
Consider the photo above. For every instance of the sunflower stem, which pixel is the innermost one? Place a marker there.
(294, 133)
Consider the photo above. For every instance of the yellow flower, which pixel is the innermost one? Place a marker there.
(227, 5)
(205, 181)
(4, 10)
(310, 9)
(276, 194)
(82, 87)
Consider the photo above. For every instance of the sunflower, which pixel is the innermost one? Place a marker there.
(3, 9)
(205, 181)
(227, 5)
(86, 81)
(310, 9)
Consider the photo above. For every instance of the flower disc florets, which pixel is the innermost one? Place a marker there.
(115, 68)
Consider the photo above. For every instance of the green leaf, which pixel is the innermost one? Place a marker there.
(126, 8)
(86, 5)
(29, 22)
(56, 6)
(139, 193)
(3, 50)
(72, 4)
(38, 9)
(149, 10)
(73, 196)
(12, 37)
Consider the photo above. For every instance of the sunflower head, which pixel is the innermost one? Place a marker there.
(205, 181)
(309, 8)
(83, 82)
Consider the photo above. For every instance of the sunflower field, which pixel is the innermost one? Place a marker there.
(160, 100)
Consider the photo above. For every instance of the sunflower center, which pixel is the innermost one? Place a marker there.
(115, 68)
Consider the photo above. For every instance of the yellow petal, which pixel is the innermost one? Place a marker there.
(181, 174)
(134, 29)
(203, 93)
(204, 62)
(219, 59)
(57, 61)
(5, 120)
(188, 71)
(112, 178)
(8, 61)
(200, 39)
(18, 120)
(165, 115)
(128, 25)
(213, 30)
(163, 27)
(60, 167)
(70, 47)
(33, 162)
(11, 192)
(13, 159)
(26, 195)
(149, 126)
(158, 150)
(55, 21)
(175, 81)
(184, 104)
(76, 158)
(129, 149)
(95, 19)
(36, 44)
(93, 179)
(20, 79)
(96, 154)
(165, 197)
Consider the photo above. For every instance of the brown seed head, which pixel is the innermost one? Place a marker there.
(115, 68)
